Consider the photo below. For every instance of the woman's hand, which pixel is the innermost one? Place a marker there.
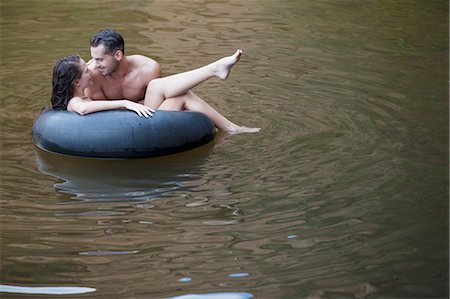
(140, 109)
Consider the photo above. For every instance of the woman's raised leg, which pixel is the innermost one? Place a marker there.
(175, 85)
(173, 92)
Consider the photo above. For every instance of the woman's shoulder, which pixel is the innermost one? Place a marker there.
(80, 99)
(73, 102)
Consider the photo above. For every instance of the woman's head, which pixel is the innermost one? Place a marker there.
(66, 71)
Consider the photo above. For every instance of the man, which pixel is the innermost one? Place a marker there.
(117, 76)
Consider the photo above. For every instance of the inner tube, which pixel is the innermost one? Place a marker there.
(121, 134)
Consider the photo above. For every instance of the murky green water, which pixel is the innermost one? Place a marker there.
(344, 193)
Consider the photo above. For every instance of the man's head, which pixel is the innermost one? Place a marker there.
(107, 49)
(111, 39)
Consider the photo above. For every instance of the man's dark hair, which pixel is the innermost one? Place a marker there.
(111, 39)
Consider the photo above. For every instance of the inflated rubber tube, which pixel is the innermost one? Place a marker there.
(121, 133)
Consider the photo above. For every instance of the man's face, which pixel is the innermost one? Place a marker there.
(106, 63)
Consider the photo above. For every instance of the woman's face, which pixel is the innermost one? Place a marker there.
(86, 75)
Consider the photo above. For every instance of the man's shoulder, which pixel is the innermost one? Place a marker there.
(142, 60)
(145, 65)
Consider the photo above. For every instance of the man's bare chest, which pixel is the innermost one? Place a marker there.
(124, 89)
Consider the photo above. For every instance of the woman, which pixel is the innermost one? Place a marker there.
(71, 76)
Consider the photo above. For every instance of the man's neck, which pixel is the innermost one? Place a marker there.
(122, 69)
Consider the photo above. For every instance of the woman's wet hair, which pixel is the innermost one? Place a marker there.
(65, 72)
(111, 39)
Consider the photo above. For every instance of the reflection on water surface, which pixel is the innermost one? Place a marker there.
(124, 180)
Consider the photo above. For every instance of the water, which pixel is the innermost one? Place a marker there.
(344, 193)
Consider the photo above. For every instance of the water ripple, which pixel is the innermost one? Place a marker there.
(336, 196)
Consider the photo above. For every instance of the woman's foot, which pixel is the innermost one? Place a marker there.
(242, 130)
(224, 65)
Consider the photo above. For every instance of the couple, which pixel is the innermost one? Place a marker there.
(85, 87)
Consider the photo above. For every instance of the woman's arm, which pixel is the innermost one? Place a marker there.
(84, 106)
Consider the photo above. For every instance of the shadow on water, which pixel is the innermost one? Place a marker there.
(96, 180)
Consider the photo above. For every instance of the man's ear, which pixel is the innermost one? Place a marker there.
(118, 55)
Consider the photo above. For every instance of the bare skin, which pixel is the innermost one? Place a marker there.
(81, 104)
(137, 78)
